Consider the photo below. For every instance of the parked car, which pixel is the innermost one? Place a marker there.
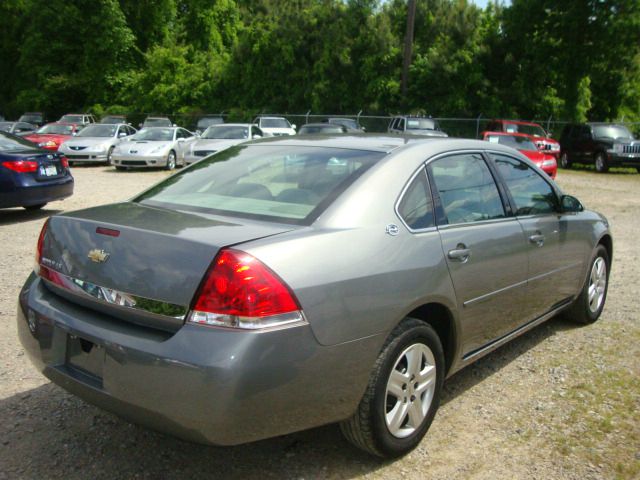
(17, 128)
(114, 119)
(322, 129)
(534, 131)
(219, 137)
(31, 177)
(602, 144)
(52, 135)
(157, 122)
(275, 126)
(405, 124)
(293, 282)
(154, 147)
(35, 118)
(351, 124)
(524, 144)
(78, 118)
(95, 143)
(206, 121)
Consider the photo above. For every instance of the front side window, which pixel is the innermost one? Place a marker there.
(530, 192)
(467, 190)
(416, 207)
(267, 182)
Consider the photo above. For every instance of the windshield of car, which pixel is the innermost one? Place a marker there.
(421, 124)
(98, 131)
(617, 132)
(56, 129)
(113, 120)
(30, 118)
(535, 130)
(274, 123)
(157, 122)
(11, 144)
(71, 118)
(269, 182)
(6, 126)
(234, 131)
(156, 134)
(513, 141)
(347, 122)
(325, 129)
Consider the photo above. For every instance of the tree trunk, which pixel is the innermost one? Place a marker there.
(408, 46)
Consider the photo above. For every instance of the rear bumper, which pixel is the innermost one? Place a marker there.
(203, 384)
(24, 196)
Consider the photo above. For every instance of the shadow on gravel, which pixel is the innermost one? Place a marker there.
(47, 433)
(19, 215)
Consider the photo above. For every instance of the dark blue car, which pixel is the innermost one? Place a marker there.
(31, 177)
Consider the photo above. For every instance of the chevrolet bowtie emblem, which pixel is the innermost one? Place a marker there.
(98, 256)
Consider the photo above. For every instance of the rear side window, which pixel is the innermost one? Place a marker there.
(467, 190)
(288, 184)
(530, 192)
(416, 207)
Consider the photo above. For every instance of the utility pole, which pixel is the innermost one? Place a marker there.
(408, 46)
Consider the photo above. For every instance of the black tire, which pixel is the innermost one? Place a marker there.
(564, 160)
(600, 160)
(34, 207)
(171, 161)
(110, 155)
(367, 429)
(582, 311)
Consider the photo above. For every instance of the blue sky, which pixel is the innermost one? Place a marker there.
(483, 3)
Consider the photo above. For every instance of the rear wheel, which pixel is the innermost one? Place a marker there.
(34, 207)
(171, 161)
(403, 393)
(564, 160)
(601, 163)
(590, 303)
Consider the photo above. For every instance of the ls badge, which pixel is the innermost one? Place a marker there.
(98, 256)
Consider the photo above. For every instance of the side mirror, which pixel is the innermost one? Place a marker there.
(257, 136)
(122, 134)
(294, 126)
(570, 204)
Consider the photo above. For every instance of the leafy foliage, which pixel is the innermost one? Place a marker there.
(567, 59)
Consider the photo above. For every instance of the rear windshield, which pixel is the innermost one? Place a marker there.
(323, 129)
(10, 143)
(71, 118)
(287, 184)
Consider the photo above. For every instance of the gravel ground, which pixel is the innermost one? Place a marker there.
(560, 402)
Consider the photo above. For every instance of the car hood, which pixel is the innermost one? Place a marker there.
(536, 156)
(150, 253)
(40, 137)
(143, 147)
(87, 141)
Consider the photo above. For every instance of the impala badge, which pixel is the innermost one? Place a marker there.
(98, 256)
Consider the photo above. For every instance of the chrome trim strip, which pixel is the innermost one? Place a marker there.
(490, 294)
(110, 296)
(396, 207)
(557, 270)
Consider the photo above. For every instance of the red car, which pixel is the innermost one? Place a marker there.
(523, 143)
(53, 134)
(532, 130)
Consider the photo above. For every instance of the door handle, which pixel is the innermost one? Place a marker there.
(460, 253)
(538, 239)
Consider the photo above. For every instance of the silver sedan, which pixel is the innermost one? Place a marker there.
(154, 147)
(288, 283)
(220, 137)
(95, 143)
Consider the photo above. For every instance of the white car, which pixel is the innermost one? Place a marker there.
(219, 137)
(95, 143)
(154, 147)
(275, 126)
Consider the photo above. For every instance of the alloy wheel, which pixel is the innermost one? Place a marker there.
(597, 284)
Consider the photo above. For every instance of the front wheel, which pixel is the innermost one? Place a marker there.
(171, 161)
(590, 303)
(601, 163)
(110, 156)
(564, 160)
(403, 393)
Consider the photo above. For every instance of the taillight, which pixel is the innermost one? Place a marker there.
(239, 291)
(21, 166)
(65, 162)
(40, 245)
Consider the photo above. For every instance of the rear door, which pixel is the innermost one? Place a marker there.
(484, 247)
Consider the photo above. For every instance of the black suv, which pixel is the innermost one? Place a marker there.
(603, 144)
